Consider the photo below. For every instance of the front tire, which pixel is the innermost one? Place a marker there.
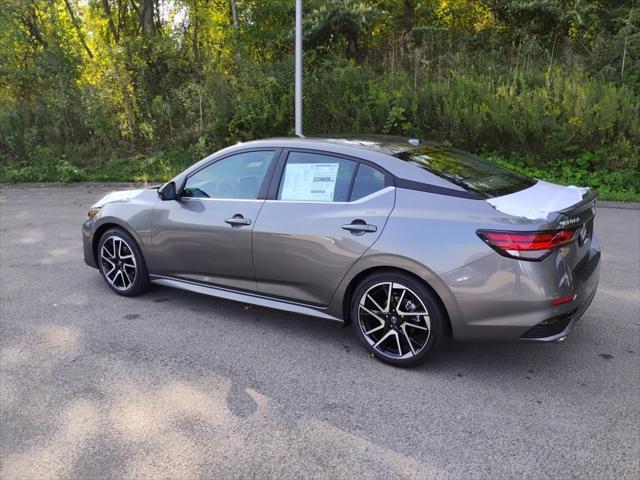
(398, 319)
(121, 263)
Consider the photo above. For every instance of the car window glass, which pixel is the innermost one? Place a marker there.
(469, 171)
(236, 177)
(316, 177)
(368, 180)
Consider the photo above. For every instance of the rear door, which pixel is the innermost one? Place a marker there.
(323, 212)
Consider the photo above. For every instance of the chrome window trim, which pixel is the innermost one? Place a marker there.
(323, 202)
(192, 199)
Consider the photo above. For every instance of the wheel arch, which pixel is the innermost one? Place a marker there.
(379, 261)
(108, 224)
(356, 280)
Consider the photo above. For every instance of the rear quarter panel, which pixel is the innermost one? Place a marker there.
(434, 237)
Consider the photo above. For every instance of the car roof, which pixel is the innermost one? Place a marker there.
(388, 144)
(378, 149)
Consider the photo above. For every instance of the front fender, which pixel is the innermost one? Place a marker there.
(133, 215)
(104, 223)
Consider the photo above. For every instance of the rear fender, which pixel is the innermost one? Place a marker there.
(376, 261)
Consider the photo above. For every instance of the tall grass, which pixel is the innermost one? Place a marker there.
(561, 113)
(551, 119)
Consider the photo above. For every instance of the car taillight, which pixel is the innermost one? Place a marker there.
(527, 245)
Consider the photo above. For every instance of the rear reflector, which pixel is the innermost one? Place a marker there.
(527, 245)
(563, 300)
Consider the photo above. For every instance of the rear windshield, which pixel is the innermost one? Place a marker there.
(472, 173)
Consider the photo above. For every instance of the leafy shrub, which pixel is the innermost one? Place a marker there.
(17, 173)
(67, 172)
(561, 123)
(622, 184)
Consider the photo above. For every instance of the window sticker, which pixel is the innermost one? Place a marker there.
(310, 181)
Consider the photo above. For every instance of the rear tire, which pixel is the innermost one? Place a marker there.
(385, 316)
(121, 263)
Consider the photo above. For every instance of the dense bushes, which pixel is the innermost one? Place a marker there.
(474, 74)
(563, 126)
(560, 114)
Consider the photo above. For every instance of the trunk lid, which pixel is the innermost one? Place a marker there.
(540, 200)
(560, 208)
(580, 216)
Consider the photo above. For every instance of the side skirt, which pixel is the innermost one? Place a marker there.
(243, 297)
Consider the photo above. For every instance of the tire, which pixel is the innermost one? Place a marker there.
(398, 335)
(121, 263)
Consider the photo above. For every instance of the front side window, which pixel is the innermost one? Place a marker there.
(316, 178)
(239, 176)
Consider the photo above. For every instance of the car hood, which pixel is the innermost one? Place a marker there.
(538, 201)
(118, 196)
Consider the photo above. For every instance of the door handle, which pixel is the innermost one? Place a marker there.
(238, 221)
(359, 226)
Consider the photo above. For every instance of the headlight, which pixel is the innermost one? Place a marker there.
(92, 212)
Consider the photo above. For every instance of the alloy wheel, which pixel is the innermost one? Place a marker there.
(118, 263)
(394, 321)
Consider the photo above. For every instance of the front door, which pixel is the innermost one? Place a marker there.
(328, 212)
(205, 236)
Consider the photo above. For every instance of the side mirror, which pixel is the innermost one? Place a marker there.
(168, 191)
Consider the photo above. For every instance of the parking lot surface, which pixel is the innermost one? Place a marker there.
(176, 385)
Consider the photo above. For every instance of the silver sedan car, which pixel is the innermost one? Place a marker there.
(410, 242)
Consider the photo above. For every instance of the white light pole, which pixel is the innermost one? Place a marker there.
(298, 69)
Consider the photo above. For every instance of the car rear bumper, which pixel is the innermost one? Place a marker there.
(556, 329)
(519, 306)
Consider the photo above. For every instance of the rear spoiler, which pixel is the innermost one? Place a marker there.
(580, 213)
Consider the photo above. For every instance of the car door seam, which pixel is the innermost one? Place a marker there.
(253, 230)
(151, 233)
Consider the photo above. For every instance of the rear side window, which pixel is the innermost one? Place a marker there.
(368, 180)
(316, 178)
(467, 170)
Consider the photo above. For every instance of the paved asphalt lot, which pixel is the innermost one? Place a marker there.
(182, 386)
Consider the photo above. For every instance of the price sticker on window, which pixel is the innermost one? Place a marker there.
(310, 181)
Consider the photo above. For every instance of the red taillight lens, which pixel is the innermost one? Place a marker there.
(527, 245)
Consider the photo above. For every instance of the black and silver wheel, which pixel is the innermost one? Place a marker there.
(397, 318)
(121, 263)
